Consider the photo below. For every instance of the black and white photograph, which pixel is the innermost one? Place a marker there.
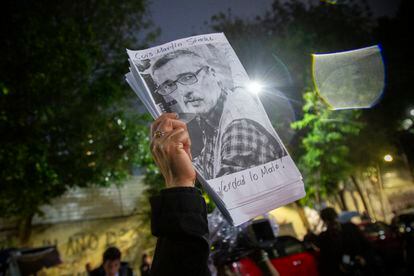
(236, 152)
(228, 127)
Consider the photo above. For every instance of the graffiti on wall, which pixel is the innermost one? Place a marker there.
(84, 242)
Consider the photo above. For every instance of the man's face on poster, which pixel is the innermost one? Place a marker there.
(195, 95)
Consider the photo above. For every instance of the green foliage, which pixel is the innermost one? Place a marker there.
(66, 114)
(326, 157)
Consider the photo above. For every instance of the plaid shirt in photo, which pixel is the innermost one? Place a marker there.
(245, 143)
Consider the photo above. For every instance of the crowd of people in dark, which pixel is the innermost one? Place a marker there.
(341, 249)
(179, 221)
(179, 218)
(112, 265)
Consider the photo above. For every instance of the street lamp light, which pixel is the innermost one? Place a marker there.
(254, 87)
(388, 158)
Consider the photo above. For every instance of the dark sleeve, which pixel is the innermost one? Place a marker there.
(97, 271)
(363, 246)
(179, 221)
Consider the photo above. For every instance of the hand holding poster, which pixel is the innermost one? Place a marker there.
(237, 154)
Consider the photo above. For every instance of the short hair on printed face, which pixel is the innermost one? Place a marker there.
(171, 56)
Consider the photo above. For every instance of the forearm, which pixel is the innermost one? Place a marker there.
(179, 221)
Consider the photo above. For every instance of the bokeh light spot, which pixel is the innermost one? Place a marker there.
(407, 123)
(332, 2)
(388, 158)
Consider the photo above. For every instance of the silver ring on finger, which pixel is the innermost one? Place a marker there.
(159, 134)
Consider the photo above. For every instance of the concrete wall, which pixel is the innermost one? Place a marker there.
(84, 242)
(289, 216)
(84, 222)
(94, 203)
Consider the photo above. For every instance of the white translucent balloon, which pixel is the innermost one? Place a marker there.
(351, 79)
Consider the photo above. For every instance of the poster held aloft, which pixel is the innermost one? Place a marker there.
(239, 158)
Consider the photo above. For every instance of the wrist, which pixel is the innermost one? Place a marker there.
(180, 190)
(180, 183)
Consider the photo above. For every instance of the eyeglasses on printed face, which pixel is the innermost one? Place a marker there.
(185, 79)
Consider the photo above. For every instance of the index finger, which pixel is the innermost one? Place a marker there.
(166, 123)
(157, 121)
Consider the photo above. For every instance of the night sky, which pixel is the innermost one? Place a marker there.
(182, 18)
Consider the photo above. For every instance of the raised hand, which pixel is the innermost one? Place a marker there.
(171, 150)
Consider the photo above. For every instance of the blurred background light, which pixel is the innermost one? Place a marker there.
(254, 87)
(388, 158)
(279, 95)
(407, 123)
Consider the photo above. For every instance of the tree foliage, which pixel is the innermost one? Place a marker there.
(66, 117)
(331, 145)
(326, 157)
(292, 30)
